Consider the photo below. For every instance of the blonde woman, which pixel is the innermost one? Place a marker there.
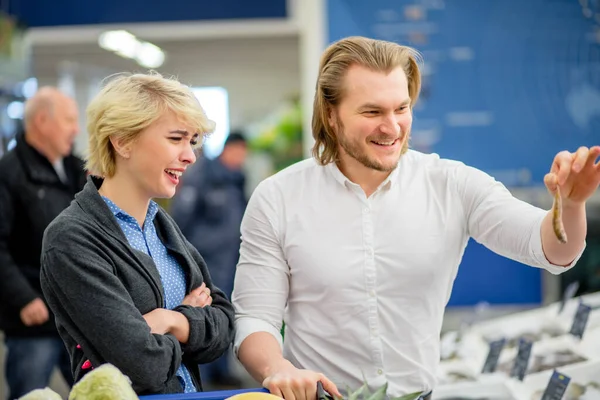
(125, 285)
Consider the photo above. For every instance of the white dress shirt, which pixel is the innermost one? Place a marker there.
(362, 283)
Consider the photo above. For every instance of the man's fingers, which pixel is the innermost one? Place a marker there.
(312, 390)
(310, 394)
(274, 390)
(563, 162)
(593, 156)
(26, 320)
(550, 181)
(45, 315)
(36, 317)
(293, 388)
(558, 160)
(304, 387)
(329, 386)
(288, 393)
(580, 159)
(299, 385)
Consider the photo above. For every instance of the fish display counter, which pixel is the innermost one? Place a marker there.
(551, 352)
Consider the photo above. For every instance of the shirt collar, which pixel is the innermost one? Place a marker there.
(342, 179)
(119, 213)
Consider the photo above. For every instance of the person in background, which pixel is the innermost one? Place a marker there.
(126, 286)
(209, 209)
(38, 180)
(357, 248)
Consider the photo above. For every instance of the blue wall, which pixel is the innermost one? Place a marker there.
(38, 13)
(507, 85)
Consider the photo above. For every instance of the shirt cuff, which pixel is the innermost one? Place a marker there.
(540, 257)
(245, 326)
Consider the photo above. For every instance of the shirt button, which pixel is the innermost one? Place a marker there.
(379, 372)
(366, 210)
(370, 251)
(371, 293)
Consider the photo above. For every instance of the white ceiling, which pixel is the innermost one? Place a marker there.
(183, 57)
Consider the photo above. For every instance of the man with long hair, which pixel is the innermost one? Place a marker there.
(356, 249)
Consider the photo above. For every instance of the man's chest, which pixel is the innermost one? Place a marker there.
(37, 204)
(387, 245)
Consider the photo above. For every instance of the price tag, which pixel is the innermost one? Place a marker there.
(568, 294)
(493, 355)
(580, 320)
(556, 387)
(522, 360)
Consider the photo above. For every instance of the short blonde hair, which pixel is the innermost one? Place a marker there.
(127, 105)
(377, 55)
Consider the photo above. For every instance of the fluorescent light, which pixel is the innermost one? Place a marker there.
(127, 45)
(120, 42)
(15, 110)
(30, 86)
(149, 55)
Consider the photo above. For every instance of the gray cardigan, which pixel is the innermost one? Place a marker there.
(99, 287)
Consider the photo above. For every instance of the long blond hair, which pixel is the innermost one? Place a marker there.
(377, 55)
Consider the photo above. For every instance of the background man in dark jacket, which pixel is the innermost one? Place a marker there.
(209, 208)
(38, 180)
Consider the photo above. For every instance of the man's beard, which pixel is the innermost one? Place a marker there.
(354, 150)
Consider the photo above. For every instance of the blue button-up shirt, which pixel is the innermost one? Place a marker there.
(172, 275)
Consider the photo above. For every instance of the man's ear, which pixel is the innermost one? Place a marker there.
(331, 117)
(123, 149)
(40, 119)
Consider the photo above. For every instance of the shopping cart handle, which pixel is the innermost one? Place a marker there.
(321, 393)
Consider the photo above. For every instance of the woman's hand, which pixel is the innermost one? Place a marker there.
(159, 320)
(199, 297)
(162, 321)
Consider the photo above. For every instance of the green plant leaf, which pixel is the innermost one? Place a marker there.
(412, 396)
(355, 395)
(379, 393)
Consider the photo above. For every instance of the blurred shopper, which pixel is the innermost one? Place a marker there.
(357, 249)
(38, 179)
(209, 209)
(126, 287)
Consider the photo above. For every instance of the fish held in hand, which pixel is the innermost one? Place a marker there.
(557, 221)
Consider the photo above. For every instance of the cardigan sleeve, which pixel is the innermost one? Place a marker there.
(93, 306)
(211, 327)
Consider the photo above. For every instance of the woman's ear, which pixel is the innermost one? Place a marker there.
(121, 148)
